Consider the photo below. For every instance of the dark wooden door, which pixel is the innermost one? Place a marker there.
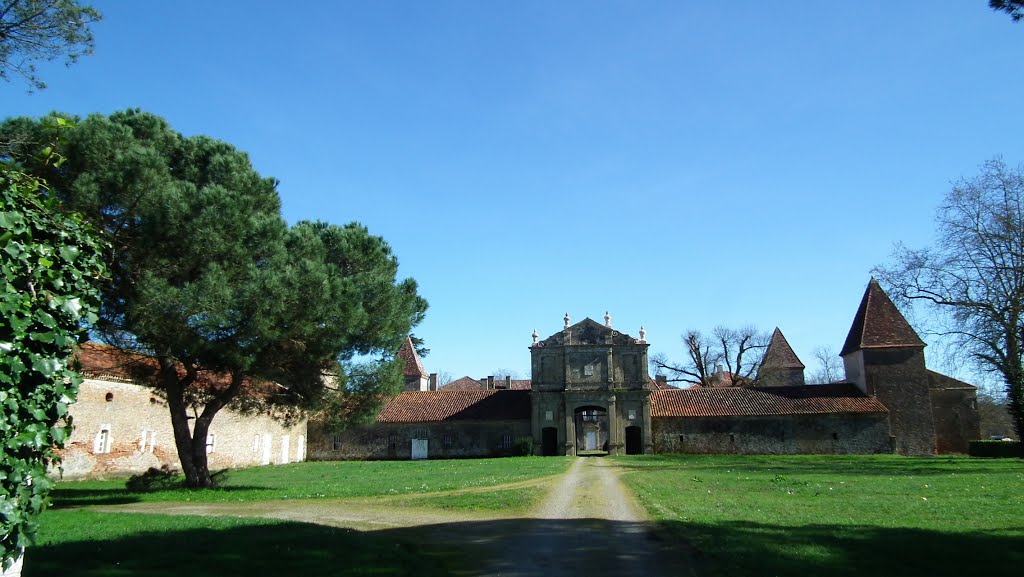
(549, 441)
(634, 441)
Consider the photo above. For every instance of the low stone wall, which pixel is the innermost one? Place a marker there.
(122, 428)
(445, 440)
(797, 434)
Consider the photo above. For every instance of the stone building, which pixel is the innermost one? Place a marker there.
(121, 427)
(590, 392)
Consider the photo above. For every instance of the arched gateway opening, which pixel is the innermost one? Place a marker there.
(591, 431)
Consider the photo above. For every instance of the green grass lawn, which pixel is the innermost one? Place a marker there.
(326, 480)
(838, 515)
(76, 541)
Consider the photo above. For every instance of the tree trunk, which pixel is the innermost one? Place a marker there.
(191, 441)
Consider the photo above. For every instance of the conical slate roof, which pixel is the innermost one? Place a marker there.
(879, 324)
(413, 366)
(779, 355)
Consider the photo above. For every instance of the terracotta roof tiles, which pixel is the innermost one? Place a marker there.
(413, 367)
(779, 355)
(455, 405)
(748, 402)
(879, 324)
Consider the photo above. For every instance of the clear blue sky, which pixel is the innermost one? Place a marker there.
(679, 164)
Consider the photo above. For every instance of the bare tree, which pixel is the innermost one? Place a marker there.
(830, 367)
(972, 280)
(736, 349)
(444, 377)
(42, 30)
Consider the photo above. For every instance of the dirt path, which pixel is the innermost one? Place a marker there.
(588, 523)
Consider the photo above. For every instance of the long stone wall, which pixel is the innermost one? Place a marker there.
(445, 440)
(122, 428)
(802, 434)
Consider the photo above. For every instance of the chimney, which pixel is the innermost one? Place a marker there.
(490, 382)
(662, 380)
(508, 382)
(433, 381)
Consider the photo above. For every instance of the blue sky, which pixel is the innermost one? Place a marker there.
(679, 164)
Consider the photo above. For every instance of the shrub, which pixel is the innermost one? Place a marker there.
(154, 480)
(998, 449)
(523, 446)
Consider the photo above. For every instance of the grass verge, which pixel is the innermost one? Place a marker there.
(838, 515)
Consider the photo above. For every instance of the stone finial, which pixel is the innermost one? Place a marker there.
(643, 334)
(566, 320)
(607, 319)
(535, 335)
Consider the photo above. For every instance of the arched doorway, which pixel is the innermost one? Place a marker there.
(591, 431)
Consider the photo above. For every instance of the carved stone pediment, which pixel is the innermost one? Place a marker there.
(587, 332)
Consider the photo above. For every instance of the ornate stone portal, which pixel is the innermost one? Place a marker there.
(590, 392)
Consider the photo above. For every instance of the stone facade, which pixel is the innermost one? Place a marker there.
(121, 428)
(590, 392)
(444, 440)
(773, 435)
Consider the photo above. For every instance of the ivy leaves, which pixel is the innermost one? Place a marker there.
(50, 266)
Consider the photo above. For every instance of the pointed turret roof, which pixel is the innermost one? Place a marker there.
(413, 367)
(879, 324)
(779, 355)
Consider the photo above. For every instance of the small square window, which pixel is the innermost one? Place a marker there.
(632, 414)
(549, 415)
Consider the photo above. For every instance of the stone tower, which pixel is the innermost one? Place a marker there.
(884, 357)
(415, 375)
(590, 391)
(780, 366)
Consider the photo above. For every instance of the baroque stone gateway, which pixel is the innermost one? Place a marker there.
(589, 393)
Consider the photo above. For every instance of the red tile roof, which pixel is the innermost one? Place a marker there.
(879, 324)
(430, 406)
(413, 366)
(941, 381)
(745, 402)
(779, 355)
(104, 362)
(471, 384)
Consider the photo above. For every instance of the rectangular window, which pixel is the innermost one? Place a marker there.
(211, 442)
(148, 441)
(549, 415)
(632, 414)
(447, 441)
(256, 444)
(101, 444)
(506, 441)
(337, 441)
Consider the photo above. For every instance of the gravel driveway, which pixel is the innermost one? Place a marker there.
(589, 523)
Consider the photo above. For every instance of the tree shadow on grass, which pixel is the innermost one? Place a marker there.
(745, 548)
(244, 547)
(218, 546)
(65, 497)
